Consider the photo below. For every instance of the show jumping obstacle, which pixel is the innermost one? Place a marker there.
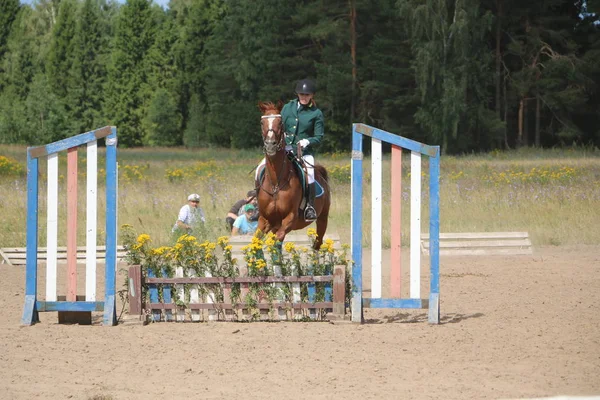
(51, 301)
(394, 301)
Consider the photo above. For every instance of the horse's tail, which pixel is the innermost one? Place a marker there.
(323, 172)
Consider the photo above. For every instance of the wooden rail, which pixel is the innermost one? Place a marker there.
(18, 256)
(481, 243)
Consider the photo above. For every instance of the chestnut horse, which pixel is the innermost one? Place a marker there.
(280, 192)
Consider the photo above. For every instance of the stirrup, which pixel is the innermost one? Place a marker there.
(309, 213)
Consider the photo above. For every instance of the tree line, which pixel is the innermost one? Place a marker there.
(469, 75)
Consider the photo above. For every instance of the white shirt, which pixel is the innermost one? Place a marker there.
(190, 216)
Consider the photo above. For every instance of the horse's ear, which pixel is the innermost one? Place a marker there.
(279, 105)
(262, 106)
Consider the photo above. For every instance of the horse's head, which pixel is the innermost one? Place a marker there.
(272, 127)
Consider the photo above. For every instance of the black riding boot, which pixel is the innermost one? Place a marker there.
(310, 214)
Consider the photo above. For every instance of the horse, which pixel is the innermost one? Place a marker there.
(280, 192)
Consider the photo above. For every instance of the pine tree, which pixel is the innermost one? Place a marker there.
(547, 72)
(19, 66)
(60, 56)
(162, 120)
(451, 64)
(127, 83)
(8, 13)
(88, 71)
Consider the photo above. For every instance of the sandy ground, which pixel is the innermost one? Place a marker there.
(512, 327)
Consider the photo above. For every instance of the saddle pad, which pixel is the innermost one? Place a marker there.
(319, 191)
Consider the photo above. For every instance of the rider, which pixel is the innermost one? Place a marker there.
(303, 123)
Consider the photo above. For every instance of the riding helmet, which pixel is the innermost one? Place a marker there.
(306, 86)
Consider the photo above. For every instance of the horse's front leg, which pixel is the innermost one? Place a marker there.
(286, 226)
(263, 227)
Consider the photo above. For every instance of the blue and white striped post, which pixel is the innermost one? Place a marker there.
(415, 301)
(32, 305)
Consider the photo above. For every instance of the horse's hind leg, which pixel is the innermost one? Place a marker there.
(322, 221)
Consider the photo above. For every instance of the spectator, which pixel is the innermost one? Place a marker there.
(238, 208)
(243, 224)
(190, 216)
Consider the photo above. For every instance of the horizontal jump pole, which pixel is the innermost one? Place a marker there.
(250, 279)
(65, 144)
(395, 303)
(238, 306)
(69, 305)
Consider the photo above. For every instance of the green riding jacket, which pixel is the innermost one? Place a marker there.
(306, 122)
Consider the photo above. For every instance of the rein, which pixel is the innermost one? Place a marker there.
(276, 188)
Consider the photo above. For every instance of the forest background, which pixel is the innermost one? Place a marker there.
(469, 75)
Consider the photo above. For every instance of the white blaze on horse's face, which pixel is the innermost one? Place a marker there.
(270, 141)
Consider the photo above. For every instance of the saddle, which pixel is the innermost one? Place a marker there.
(300, 168)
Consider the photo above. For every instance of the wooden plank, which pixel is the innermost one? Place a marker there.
(5, 258)
(479, 235)
(229, 306)
(240, 279)
(485, 252)
(60, 249)
(61, 256)
(339, 290)
(481, 243)
(135, 290)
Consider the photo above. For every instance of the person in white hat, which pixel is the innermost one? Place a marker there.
(190, 215)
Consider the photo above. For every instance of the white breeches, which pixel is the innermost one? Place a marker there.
(309, 161)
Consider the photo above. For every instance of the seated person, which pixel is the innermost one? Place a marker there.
(243, 224)
(190, 216)
(238, 208)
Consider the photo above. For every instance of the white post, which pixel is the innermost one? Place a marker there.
(415, 225)
(52, 227)
(91, 221)
(376, 216)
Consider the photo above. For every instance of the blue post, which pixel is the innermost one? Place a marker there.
(356, 233)
(167, 297)
(153, 292)
(434, 238)
(30, 313)
(110, 312)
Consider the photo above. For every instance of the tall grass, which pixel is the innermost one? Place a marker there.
(552, 194)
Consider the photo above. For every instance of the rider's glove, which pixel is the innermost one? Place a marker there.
(304, 143)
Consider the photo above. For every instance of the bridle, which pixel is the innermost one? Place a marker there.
(271, 131)
(280, 145)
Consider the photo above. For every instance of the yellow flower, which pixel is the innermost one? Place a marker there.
(223, 240)
(270, 240)
(143, 239)
(161, 250)
(290, 247)
(328, 246)
(311, 232)
(260, 264)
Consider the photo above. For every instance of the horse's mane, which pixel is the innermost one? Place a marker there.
(269, 107)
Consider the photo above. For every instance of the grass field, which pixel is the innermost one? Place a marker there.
(552, 194)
